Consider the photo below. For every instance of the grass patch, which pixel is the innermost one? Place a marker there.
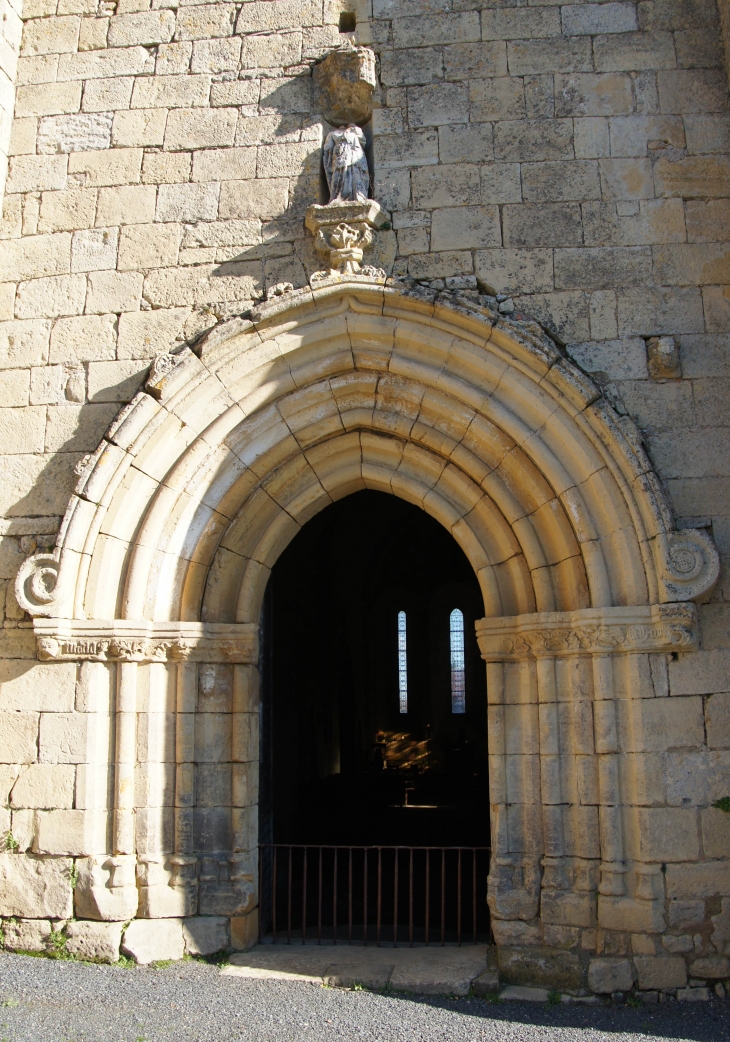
(633, 1000)
(554, 997)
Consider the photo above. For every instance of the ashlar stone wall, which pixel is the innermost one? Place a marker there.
(574, 159)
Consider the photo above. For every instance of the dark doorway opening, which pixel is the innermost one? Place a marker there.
(343, 766)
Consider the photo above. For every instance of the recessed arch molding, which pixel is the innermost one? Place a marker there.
(156, 584)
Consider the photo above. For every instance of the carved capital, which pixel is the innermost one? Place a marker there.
(343, 232)
(589, 631)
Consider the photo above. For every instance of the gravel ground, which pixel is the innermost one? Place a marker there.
(46, 1001)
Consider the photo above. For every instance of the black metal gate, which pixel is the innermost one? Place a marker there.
(373, 895)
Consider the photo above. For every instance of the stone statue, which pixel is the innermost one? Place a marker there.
(346, 166)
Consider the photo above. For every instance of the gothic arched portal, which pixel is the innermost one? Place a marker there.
(157, 582)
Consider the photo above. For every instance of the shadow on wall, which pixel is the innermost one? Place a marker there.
(286, 252)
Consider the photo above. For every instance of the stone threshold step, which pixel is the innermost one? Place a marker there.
(421, 971)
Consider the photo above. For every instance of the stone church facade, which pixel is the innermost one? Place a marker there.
(527, 338)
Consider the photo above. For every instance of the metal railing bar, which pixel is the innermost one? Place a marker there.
(453, 895)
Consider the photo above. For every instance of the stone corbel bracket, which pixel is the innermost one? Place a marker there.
(343, 232)
(589, 631)
(122, 640)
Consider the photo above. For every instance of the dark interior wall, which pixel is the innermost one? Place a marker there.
(332, 688)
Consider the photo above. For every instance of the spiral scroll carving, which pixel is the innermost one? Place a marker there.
(35, 585)
(692, 565)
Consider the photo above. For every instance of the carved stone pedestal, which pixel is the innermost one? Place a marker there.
(344, 231)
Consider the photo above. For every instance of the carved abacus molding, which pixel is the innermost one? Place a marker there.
(589, 631)
(121, 640)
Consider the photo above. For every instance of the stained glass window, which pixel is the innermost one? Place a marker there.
(402, 663)
(458, 677)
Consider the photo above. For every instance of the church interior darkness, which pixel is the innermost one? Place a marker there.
(341, 763)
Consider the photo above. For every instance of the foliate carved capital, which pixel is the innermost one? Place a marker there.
(589, 631)
(123, 640)
(691, 565)
(343, 232)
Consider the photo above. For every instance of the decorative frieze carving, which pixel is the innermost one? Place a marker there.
(642, 628)
(123, 640)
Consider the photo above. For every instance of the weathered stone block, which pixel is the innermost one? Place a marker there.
(500, 183)
(27, 935)
(590, 94)
(44, 786)
(475, 61)
(34, 887)
(493, 99)
(148, 246)
(77, 133)
(465, 227)
(445, 185)
(533, 140)
(83, 338)
(143, 27)
(118, 166)
(711, 966)
(695, 177)
(587, 20)
(562, 181)
(549, 967)
(94, 942)
(152, 940)
(608, 975)
(528, 57)
(191, 128)
(663, 971)
(692, 90)
(625, 913)
(67, 211)
(704, 879)
(245, 930)
(465, 144)
(35, 257)
(601, 268)
(634, 52)
(112, 291)
(568, 909)
(516, 271)
(187, 202)
(19, 737)
(548, 225)
(205, 935)
(668, 834)
(94, 249)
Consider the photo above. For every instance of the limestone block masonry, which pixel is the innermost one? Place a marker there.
(543, 366)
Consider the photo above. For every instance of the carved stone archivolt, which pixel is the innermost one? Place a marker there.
(648, 628)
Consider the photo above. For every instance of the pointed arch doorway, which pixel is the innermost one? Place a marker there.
(374, 725)
(156, 584)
